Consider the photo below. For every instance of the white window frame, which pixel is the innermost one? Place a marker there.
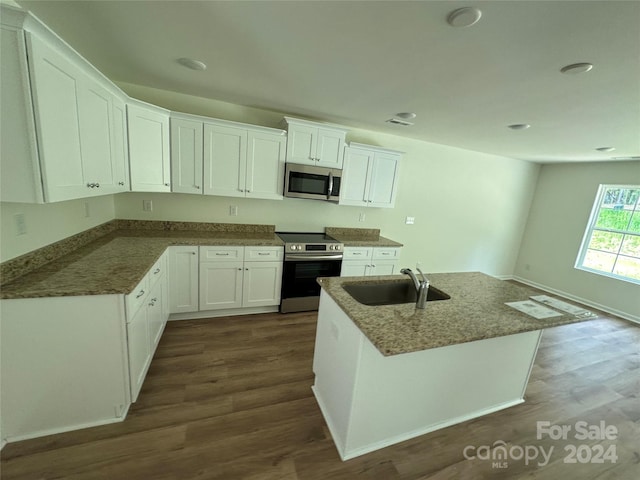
(586, 239)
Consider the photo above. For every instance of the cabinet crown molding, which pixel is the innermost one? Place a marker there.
(311, 123)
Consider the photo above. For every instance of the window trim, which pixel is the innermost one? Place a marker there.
(586, 238)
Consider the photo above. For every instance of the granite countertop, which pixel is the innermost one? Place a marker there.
(360, 237)
(476, 311)
(115, 263)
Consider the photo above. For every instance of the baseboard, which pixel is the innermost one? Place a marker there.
(222, 313)
(53, 431)
(585, 301)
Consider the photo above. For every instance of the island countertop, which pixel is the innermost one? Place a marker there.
(475, 311)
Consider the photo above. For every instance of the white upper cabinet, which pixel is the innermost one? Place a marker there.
(55, 89)
(370, 176)
(265, 165)
(186, 156)
(225, 153)
(120, 145)
(19, 167)
(311, 143)
(71, 110)
(217, 157)
(148, 129)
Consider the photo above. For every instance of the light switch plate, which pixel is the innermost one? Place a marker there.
(410, 220)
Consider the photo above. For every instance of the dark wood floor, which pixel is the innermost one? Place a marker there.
(230, 398)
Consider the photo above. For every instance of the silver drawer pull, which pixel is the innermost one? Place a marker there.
(140, 294)
(260, 253)
(357, 253)
(223, 254)
(157, 271)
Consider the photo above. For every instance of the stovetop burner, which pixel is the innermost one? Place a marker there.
(296, 237)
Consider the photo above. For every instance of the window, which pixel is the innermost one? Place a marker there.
(611, 244)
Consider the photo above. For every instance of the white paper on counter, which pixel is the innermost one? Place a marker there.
(534, 309)
(563, 306)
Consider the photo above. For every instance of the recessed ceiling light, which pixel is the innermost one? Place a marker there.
(576, 68)
(406, 115)
(519, 126)
(464, 17)
(192, 64)
(605, 149)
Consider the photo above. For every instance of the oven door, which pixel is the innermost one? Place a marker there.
(300, 290)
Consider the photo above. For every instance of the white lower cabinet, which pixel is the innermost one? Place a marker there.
(183, 279)
(240, 277)
(147, 315)
(368, 261)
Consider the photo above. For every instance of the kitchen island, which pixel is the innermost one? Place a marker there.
(384, 374)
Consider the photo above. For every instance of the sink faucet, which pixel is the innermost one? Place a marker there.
(422, 286)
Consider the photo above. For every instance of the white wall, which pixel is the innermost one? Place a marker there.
(559, 214)
(49, 223)
(470, 208)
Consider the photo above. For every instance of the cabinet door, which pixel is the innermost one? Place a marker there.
(225, 154)
(120, 153)
(220, 285)
(383, 267)
(96, 139)
(55, 90)
(355, 268)
(186, 156)
(330, 147)
(183, 279)
(155, 314)
(20, 179)
(148, 149)
(138, 348)
(265, 165)
(354, 188)
(301, 144)
(384, 180)
(261, 284)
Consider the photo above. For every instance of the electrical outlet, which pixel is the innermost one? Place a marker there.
(233, 210)
(20, 224)
(410, 220)
(87, 210)
(362, 217)
(147, 205)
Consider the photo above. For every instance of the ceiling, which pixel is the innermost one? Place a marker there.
(358, 63)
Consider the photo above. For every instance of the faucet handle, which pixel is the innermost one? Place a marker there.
(424, 279)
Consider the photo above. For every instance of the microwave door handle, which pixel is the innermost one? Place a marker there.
(330, 190)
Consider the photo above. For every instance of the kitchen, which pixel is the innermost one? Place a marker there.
(489, 195)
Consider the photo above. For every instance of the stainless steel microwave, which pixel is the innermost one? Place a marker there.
(317, 183)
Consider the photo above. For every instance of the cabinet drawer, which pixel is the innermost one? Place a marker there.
(221, 254)
(381, 253)
(266, 254)
(137, 297)
(157, 271)
(357, 253)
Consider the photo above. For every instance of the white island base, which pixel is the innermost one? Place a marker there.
(371, 401)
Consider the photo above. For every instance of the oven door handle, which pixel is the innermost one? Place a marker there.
(305, 258)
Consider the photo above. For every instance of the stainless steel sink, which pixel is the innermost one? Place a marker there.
(389, 293)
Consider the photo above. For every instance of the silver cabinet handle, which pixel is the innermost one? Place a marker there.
(140, 294)
(121, 183)
(246, 269)
(156, 271)
(239, 269)
(197, 186)
(97, 185)
(167, 185)
(193, 253)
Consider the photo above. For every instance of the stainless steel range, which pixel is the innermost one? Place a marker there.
(307, 256)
